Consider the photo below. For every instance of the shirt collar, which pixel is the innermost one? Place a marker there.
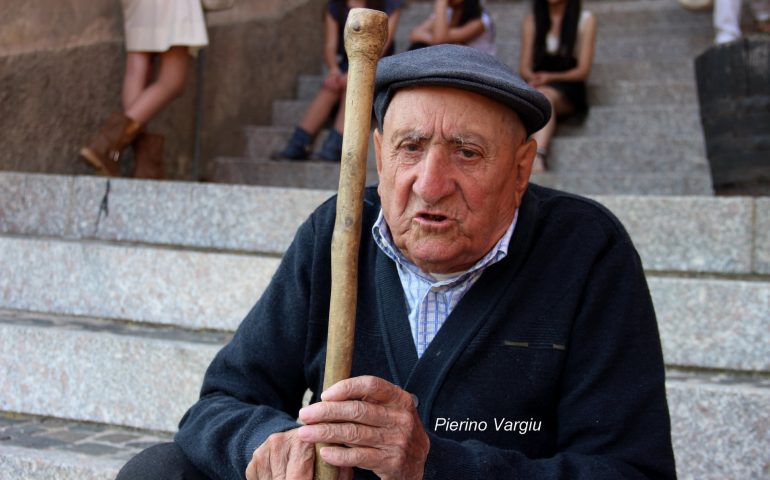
(384, 240)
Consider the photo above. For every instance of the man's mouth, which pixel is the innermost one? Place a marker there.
(432, 217)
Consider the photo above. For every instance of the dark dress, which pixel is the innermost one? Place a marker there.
(574, 91)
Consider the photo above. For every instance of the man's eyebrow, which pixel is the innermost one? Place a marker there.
(410, 134)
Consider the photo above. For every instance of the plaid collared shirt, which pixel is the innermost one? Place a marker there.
(430, 300)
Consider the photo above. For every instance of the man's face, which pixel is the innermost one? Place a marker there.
(453, 167)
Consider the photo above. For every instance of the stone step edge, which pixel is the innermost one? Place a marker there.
(177, 334)
(168, 332)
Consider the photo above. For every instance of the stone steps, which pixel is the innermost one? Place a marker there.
(144, 375)
(132, 283)
(102, 371)
(642, 82)
(719, 426)
(673, 234)
(65, 354)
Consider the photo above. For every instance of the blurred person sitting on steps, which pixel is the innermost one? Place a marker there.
(171, 30)
(332, 92)
(464, 22)
(557, 51)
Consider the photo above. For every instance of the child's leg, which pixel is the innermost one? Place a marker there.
(172, 75)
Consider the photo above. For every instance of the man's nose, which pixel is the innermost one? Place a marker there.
(434, 178)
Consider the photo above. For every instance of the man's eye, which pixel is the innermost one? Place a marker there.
(411, 147)
(468, 153)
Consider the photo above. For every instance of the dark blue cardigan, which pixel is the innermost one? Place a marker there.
(560, 336)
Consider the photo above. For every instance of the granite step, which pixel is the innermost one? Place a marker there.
(41, 448)
(618, 156)
(78, 368)
(646, 70)
(705, 322)
(192, 289)
(713, 324)
(726, 235)
(263, 141)
(98, 370)
(719, 425)
(191, 216)
(631, 183)
(289, 174)
(640, 123)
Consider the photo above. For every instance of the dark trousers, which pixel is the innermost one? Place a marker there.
(160, 462)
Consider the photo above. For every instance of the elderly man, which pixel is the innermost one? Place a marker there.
(504, 330)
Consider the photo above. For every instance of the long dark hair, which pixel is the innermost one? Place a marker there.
(569, 28)
(471, 10)
(342, 7)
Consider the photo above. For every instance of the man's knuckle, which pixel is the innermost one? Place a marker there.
(358, 411)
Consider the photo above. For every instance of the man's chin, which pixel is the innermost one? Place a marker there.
(435, 258)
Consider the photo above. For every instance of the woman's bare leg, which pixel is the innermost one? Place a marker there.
(319, 110)
(172, 75)
(137, 77)
(339, 120)
(559, 106)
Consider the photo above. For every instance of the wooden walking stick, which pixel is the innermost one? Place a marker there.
(366, 32)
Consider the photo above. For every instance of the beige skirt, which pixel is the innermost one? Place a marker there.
(157, 25)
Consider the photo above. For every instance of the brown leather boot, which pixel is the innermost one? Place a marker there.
(148, 151)
(104, 149)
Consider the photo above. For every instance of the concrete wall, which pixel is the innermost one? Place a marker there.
(61, 68)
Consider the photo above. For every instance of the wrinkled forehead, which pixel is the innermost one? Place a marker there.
(453, 105)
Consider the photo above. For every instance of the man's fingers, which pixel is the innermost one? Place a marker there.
(370, 389)
(362, 457)
(350, 411)
(283, 455)
(351, 434)
(300, 464)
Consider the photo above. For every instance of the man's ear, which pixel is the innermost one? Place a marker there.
(378, 150)
(525, 157)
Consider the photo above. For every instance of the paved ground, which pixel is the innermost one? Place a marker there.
(103, 441)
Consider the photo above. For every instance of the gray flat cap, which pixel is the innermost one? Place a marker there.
(459, 67)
